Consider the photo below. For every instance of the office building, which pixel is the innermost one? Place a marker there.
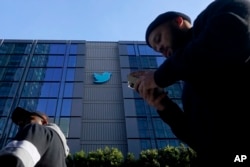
(58, 77)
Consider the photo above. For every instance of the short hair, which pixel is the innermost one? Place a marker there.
(20, 113)
(162, 18)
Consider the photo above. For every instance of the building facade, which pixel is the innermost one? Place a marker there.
(58, 77)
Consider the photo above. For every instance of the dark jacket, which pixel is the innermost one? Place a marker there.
(36, 146)
(216, 96)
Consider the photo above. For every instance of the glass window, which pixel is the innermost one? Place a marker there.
(162, 143)
(11, 74)
(131, 50)
(72, 61)
(47, 61)
(2, 125)
(145, 144)
(15, 48)
(73, 49)
(140, 108)
(134, 62)
(142, 123)
(8, 89)
(44, 74)
(13, 60)
(70, 75)
(146, 50)
(57, 48)
(64, 125)
(66, 107)
(5, 105)
(40, 89)
(144, 63)
(50, 49)
(68, 90)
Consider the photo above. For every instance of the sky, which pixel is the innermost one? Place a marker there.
(90, 20)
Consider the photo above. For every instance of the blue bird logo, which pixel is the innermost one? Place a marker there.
(101, 78)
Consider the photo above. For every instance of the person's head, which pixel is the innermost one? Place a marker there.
(22, 117)
(165, 33)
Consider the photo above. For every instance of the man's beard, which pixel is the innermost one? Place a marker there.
(179, 38)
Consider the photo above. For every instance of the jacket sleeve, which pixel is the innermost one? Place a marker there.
(27, 147)
(10, 160)
(220, 41)
(176, 119)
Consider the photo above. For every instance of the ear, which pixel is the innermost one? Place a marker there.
(45, 121)
(179, 21)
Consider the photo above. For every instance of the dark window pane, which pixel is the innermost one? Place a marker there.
(64, 125)
(11, 74)
(68, 90)
(13, 60)
(66, 107)
(134, 62)
(47, 61)
(73, 49)
(70, 75)
(50, 49)
(146, 50)
(131, 50)
(15, 48)
(8, 89)
(72, 61)
(44, 74)
(57, 48)
(40, 89)
(140, 108)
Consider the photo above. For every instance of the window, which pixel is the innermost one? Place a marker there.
(50, 49)
(131, 50)
(8, 89)
(68, 90)
(64, 125)
(40, 89)
(146, 50)
(140, 108)
(72, 61)
(11, 74)
(66, 107)
(15, 48)
(145, 144)
(44, 74)
(47, 61)
(73, 49)
(13, 60)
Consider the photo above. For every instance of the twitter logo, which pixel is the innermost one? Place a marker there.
(101, 78)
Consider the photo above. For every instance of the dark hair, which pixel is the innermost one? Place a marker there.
(160, 19)
(20, 114)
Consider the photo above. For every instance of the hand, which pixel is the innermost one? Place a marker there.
(145, 83)
(155, 97)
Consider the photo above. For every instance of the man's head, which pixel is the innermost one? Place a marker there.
(22, 117)
(164, 34)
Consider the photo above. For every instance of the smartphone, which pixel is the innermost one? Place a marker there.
(131, 81)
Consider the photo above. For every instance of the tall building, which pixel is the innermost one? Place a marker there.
(58, 77)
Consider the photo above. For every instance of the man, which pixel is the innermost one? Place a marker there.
(212, 58)
(37, 143)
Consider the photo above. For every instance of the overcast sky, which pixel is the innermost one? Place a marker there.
(91, 20)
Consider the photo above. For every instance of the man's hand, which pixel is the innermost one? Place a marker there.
(145, 83)
(155, 97)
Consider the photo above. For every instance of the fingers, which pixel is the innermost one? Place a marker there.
(156, 100)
